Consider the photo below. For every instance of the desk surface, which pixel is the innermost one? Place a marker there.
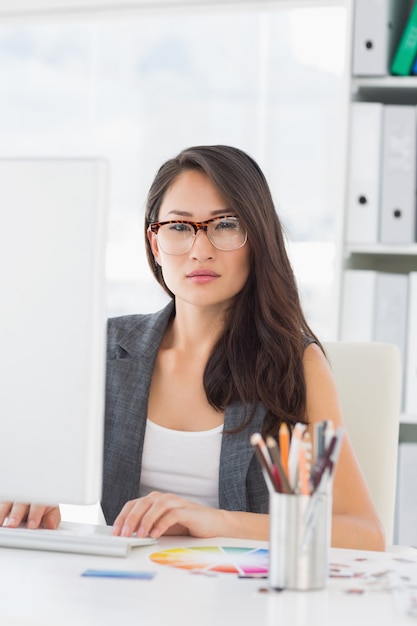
(47, 589)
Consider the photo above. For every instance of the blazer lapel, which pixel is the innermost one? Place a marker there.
(235, 457)
(129, 373)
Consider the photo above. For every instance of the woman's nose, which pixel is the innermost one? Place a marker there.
(202, 247)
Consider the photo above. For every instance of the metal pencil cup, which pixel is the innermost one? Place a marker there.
(299, 541)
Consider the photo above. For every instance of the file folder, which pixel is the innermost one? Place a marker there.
(374, 308)
(358, 305)
(398, 220)
(414, 68)
(407, 48)
(410, 374)
(364, 172)
(406, 504)
(377, 27)
(390, 317)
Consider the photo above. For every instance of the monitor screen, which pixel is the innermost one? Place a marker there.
(52, 329)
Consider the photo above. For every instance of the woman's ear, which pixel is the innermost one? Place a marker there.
(153, 241)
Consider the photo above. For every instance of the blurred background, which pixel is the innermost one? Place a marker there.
(135, 87)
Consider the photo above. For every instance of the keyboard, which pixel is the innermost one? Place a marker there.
(72, 537)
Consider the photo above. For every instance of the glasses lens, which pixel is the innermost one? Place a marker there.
(175, 238)
(227, 233)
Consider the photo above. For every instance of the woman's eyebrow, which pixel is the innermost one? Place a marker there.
(187, 214)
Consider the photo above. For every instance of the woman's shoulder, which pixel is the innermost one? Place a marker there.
(315, 361)
(122, 324)
(308, 341)
(131, 332)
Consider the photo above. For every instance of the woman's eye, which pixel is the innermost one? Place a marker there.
(179, 228)
(228, 225)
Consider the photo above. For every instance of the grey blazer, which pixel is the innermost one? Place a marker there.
(132, 345)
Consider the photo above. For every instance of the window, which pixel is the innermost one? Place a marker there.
(137, 88)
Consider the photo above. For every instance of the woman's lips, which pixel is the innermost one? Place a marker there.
(202, 276)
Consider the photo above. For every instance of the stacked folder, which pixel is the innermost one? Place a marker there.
(385, 37)
(376, 305)
(382, 174)
(382, 306)
(406, 505)
(405, 58)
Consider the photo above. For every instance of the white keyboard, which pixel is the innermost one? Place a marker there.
(72, 537)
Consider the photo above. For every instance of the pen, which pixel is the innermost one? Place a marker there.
(319, 494)
(316, 501)
(272, 445)
(328, 432)
(319, 429)
(303, 474)
(320, 465)
(293, 457)
(321, 476)
(264, 459)
(328, 460)
(336, 450)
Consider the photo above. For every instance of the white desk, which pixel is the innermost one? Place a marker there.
(47, 589)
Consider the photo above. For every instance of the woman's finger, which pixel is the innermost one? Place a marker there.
(17, 514)
(139, 515)
(5, 508)
(42, 516)
(120, 520)
(161, 507)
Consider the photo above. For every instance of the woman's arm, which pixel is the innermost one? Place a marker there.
(355, 521)
(163, 513)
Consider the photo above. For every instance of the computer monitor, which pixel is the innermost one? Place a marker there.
(52, 329)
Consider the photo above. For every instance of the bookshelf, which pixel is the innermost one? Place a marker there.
(381, 257)
(386, 89)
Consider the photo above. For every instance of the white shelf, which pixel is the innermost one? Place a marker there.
(382, 249)
(384, 82)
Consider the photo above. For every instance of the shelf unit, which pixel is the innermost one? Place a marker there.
(381, 257)
(386, 89)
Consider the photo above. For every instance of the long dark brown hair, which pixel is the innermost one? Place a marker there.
(258, 357)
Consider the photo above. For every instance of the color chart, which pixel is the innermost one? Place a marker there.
(227, 560)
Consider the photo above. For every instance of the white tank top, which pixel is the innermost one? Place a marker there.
(182, 462)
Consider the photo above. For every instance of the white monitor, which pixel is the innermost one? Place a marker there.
(52, 329)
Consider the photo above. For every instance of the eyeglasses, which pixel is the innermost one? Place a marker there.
(177, 236)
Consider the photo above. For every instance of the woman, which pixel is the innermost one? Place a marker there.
(232, 354)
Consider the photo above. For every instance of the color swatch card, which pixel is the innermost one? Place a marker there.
(222, 559)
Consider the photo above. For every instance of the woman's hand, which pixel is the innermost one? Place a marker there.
(35, 515)
(163, 513)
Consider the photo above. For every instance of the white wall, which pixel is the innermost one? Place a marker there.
(75, 105)
(19, 7)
